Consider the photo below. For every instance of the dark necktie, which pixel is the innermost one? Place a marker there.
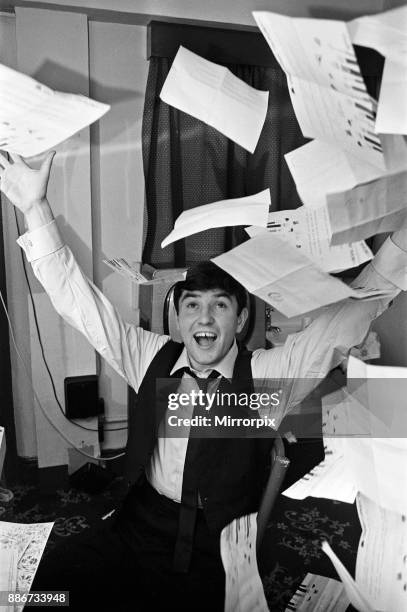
(189, 497)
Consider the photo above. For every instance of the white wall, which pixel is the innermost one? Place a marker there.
(118, 71)
(99, 207)
(53, 47)
(16, 290)
(225, 11)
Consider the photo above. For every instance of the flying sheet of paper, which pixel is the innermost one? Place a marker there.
(392, 108)
(319, 168)
(378, 468)
(319, 594)
(329, 479)
(368, 209)
(309, 231)
(244, 589)
(29, 540)
(385, 32)
(34, 118)
(131, 272)
(214, 95)
(376, 449)
(353, 591)
(326, 86)
(252, 209)
(381, 564)
(273, 270)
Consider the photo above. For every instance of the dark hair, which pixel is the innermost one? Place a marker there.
(205, 276)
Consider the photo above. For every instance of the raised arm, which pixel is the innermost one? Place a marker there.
(127, 348)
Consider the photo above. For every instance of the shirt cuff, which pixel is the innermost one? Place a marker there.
(391, 263)
(41, 241)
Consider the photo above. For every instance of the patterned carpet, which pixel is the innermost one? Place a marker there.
(291, 545)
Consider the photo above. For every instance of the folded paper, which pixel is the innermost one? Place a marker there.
(273, 270)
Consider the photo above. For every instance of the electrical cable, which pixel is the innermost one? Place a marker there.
(25, 369)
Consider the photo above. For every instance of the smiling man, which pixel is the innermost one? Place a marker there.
(161, 549)
(211, 309)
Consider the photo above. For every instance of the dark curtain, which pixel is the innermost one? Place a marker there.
(187, 163)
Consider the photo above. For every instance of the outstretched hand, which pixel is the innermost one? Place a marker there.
(24, 186)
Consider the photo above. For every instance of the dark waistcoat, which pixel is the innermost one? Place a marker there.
(231, 471)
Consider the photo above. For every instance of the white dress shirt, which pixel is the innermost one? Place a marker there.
(309, 354)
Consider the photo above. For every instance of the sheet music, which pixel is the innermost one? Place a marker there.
(357, 598)
(392, 108)
(385, 32)
(29, 542)
(34, 118)
(368, 209)
(381, 565)
(253, 264)
(326, 86)
(244, 589)
(8, 572)
(319, 168)
(309, 231)
(319, 594)
(248, 210)
(329, 479)
(214, 95)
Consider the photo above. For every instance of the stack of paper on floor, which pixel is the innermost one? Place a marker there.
(34, 118)
(244, 589)
(319, 594)
(214, 95)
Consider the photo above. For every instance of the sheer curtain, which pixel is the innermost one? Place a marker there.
(187, 163)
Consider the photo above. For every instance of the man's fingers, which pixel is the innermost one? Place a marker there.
(4, 162)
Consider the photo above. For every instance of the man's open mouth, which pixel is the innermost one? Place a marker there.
(205, 339)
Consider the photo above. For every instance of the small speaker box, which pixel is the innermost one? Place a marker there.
(82, 397)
